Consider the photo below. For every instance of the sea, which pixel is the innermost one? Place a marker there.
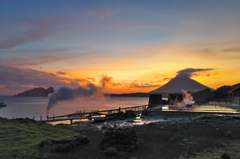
(36, 107)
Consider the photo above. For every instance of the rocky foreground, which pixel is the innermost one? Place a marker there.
(202, 137)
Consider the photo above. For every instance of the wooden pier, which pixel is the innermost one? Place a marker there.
(93, 114)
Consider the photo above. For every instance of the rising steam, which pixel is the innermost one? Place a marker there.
(66, 93)
(187, 99)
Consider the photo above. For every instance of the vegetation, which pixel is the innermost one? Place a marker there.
(231, 148)
(19, 138)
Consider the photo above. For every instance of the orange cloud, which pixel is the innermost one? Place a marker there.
(108, 81)
(104, 13)
(13, 51)
(2, 85)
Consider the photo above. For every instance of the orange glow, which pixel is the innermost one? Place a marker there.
(154, 66)
(2, 86)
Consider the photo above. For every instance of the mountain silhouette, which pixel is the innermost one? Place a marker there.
(36, 92)
(179, 83)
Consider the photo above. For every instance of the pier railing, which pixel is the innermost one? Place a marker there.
(91, 114)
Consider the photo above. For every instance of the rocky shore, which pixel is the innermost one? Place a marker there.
(196, 137)
(204, 136)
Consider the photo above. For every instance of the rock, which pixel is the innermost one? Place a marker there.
(203, 117)
(63, 147)
(131, 148)
(119, 147)
(83, 139)
(210, 150)
(225, 156)
(120, 138)
(104, 127)
(111, 151)
(42, 143)
(229, 134)
(63, 141)
(74, 143)
(105, 146)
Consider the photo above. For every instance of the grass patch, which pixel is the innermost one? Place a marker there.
(19, 138)
(231, 148)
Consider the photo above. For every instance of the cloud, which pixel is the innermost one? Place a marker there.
(41, 59)
(232, 50)
(12, 78)
(24, 37)
(35, 30)
(164, 79)
(13, 52)
(104, 13)
(61, 73)
(135, 84)
(91, 79)
(189, 71)
(108, 81)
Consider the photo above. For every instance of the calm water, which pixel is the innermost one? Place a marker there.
(37, 106)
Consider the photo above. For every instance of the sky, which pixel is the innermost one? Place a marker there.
(133, 46)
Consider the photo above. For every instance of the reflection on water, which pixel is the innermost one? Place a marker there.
(22, 107)
(218, 109)
(203, 108)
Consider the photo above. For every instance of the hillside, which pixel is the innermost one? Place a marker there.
(179, 83)
(36, 92)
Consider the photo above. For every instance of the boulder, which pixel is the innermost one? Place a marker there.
(225, 156)
(63, 147)
(83, 139)
(42, 143)
(131, 148)
(123, 139)
(111, 151)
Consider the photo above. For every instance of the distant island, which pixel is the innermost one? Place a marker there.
(129, 95)
(36, 92)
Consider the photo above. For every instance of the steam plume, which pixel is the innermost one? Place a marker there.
(187, 99)
(66, 93)
(105, 80)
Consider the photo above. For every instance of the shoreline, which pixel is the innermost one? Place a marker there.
(205, 137)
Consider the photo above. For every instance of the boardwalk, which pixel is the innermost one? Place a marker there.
(93, 114)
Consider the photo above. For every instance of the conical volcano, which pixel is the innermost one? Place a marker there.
(179, 83)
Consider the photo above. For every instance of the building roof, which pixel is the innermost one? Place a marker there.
(235, 89)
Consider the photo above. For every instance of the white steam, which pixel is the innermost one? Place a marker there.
(66, 93)
(187, 99)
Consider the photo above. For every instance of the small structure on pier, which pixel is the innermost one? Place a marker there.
(154, 100)
(234, 95)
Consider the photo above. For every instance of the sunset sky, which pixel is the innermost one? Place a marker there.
(135, 46)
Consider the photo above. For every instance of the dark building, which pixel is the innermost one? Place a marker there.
(175, 98)
(154, 100)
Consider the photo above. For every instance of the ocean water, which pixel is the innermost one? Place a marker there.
(34, 107)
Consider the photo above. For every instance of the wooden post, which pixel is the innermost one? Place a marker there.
(33, 118)
(40, 117)
(71, 121)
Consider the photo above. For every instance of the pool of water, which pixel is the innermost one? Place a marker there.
(204, 108)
